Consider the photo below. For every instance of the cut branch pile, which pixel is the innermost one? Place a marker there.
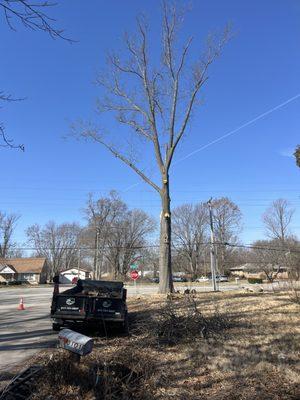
(177, 324)
(125, 374)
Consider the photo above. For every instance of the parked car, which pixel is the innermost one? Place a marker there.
(202, 279)
(179, 279)
(154, 280)
(222, 278)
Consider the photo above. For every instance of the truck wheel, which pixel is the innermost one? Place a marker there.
(55, 327)
(125, 326)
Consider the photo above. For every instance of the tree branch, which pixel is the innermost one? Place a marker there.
(31, 16)
(8, 142)
(200, 77)
(93, 135)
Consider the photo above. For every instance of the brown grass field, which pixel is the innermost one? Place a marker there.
(213, 346)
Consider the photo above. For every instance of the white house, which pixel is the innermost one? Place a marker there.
(71, 275)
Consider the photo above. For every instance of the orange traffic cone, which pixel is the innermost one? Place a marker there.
(21, 305)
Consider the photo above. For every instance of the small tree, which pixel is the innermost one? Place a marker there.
(7, 225)
(277, 219)
(155, 99)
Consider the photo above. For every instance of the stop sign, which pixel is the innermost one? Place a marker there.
(134, 275)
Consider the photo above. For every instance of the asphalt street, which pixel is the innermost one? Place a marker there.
(23, 333)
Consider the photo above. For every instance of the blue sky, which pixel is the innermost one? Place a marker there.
(258, 70)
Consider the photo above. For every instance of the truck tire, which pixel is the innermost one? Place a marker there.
(125, 326)
(55, 327)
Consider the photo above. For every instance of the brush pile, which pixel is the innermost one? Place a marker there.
(121, 375)
(184, 322)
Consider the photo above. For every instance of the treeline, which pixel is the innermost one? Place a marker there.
(114, 237)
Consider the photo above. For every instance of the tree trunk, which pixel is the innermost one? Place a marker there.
(165, 266)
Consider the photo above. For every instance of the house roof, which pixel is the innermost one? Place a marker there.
(25, 265)
(84, 269)
(7, 269)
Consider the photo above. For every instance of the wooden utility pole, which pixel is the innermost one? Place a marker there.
(96, 256)
(213, 265)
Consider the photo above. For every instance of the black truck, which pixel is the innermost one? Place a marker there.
(91, 303)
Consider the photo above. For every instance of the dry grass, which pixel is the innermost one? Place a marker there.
(250, 350)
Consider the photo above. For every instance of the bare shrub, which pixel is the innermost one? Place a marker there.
(183, 322)
(294, 292)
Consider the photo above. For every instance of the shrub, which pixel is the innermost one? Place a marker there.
(184, 322)
(255, 280)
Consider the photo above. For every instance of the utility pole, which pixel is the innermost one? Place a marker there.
(213, 264)
(96, 255)
(79, 263)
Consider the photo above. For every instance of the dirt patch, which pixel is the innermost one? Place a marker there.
(211, 346)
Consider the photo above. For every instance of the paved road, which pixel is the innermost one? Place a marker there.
(23, 333)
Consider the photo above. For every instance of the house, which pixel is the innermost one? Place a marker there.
(252, 270)
(72, 274)
(31, 270)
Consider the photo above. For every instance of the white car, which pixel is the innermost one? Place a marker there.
(222, 278)
(202, 279)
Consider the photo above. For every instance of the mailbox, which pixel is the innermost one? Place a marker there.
(75, 342)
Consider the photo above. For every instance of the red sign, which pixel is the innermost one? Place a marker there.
(134, 275)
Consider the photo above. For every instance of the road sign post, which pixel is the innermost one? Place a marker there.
(134, 275)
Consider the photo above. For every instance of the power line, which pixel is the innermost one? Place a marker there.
(246, 246)
(234, 131)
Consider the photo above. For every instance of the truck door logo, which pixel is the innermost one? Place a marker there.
(70, 301)
(106, 303)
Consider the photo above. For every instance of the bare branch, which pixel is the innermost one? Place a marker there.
(200, 77)
(9, 97)
(175, 93)
(8, 142)
(92, 134)
(277, 219)
(31, 16)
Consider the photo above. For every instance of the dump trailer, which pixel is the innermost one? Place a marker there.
(90, 303)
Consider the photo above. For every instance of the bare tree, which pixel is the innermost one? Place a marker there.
(227, 224)
(117, 233)
(58, 243)
(32, 15)
(277, 219)
(190, 223)
(7, 225)
(102, 215)
(127, 239)
(155, 100)
(149, 260)
(266, 256)
(297, 155)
